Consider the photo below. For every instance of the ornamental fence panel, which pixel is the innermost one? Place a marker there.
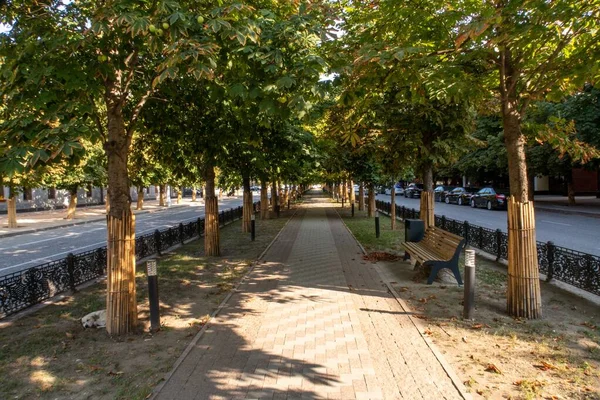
(575, 268)
(26, 288)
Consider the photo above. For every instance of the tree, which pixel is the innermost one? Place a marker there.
(113, 55)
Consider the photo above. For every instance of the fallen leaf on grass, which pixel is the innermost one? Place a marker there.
(544, 366)
(479, 326)
(117, 373)
(493, 368)
(421, 316)
(404, 289)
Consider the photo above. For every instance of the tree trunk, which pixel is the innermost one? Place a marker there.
(371, 205)
(352, 194)
(11, 206)
(140, 198)
(193, 194)
(361, 197)
(523, 295)
(162, 194)
(570, 189)
(393, 207)
(248, 209)
(72, 204)
(264, 200)
(344, 193)
(274, 200)
(121, 305)
(211, 205)
(107, 202)
(179, 194)
(426, 203)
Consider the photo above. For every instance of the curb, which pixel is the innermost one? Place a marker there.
(158, 388)
(460, 387)
(567, 212)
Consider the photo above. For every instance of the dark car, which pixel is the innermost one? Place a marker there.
(460, 196)
(440, 192)
(490, 198)
(413, 190)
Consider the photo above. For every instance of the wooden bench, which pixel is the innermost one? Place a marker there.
(438, 249)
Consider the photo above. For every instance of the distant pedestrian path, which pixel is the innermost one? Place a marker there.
(314, 321)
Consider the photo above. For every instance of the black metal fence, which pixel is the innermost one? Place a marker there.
(579, 269)
(32, 286)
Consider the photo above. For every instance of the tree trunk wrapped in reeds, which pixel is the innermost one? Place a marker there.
(179, 194)
(121, 305)
(247, 208)
(427, 211)
(264, 200)
(352, 194)
(393, 207)
(274, 199)
(211, 226)
(524, 298)
(361, 197)
(371, 205)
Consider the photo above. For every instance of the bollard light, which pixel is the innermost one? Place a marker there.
(151, 268)
(153, 295)
(469, 294)
(253, 227)
(376, 224)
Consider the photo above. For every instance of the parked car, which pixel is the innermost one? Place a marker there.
(413, 190)
(490, 198)
(460, 196)
(440, 192)
(398, 189)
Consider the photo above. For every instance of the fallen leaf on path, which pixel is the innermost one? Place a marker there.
(493, 368)
(464, 339)
(428, 332)
(380, 256)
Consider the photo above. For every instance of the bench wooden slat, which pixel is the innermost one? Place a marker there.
(439, 248)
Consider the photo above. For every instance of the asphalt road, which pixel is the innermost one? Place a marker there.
(573, 231)
(28, 250)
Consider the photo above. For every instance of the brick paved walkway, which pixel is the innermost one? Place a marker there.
(312, 321)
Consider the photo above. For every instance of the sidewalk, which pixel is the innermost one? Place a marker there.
(586, 205)
(43, 220)
(311, 321)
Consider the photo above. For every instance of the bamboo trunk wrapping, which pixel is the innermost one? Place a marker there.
(12, 212)
(247, 211)
(121, 306)
(194, 194)
(211, 227)
(371, 204)
(264, 201)
(426, 206)
(523, 297)
(361, 197)
(352, 194)
(393, 207)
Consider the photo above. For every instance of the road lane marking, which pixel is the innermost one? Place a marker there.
(555, 223)
(51, 257)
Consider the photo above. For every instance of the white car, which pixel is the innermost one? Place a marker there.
(399, 191)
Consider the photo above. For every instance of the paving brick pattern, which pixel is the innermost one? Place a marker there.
(312, 321)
